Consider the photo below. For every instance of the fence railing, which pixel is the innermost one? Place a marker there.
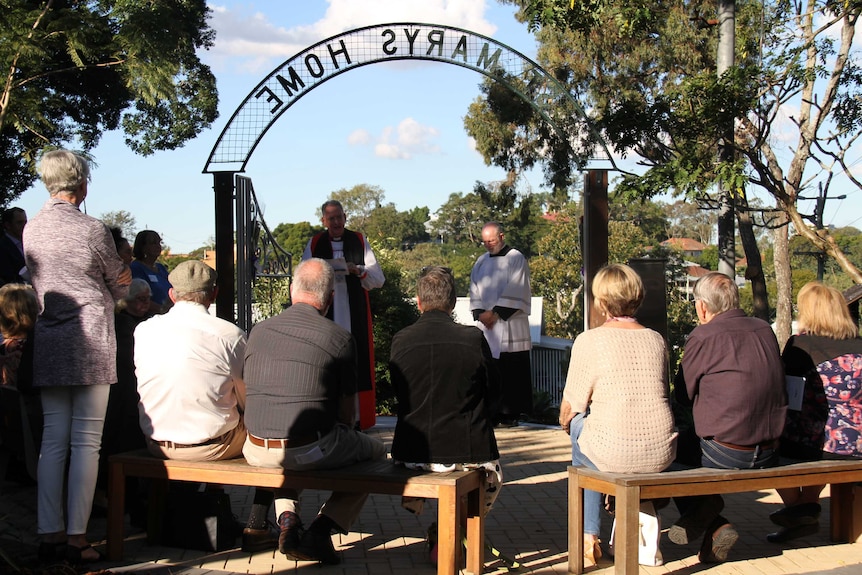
(549, 363)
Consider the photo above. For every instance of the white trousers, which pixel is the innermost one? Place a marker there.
(73, 420)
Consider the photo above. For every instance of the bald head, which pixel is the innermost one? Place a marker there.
(313, 282)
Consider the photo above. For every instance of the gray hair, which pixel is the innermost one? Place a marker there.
(315, 278)
(63, 171)
(330, 204)
(717, 292)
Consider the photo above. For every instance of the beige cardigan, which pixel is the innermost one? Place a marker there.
(621, 374)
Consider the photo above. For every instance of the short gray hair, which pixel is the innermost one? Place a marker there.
(315, 278)
(718, 292)
(63, 171)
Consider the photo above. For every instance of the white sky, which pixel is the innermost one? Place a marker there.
(396, 126)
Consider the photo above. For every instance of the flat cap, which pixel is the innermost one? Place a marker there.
(192, 276)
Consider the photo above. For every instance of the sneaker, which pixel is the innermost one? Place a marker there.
(254, 540)
(317, 546)
(691, 526)
(717, 542)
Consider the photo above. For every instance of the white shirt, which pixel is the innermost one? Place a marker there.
(189, 369)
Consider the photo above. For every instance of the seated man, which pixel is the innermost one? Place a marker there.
(188, 365)
(445, 380)
(734, 380)
(300, 369)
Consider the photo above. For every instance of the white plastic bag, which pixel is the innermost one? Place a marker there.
(648, 538)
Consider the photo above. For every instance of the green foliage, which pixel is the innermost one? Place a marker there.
(123, 220)
(708, 258)
(294, 237)
(556, 274)
(397, 230)
(271, 296)
(358, 202)
(458, 257)
(76, 69)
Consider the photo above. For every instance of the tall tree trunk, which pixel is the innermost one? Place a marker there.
(784, 299)
(754, 271)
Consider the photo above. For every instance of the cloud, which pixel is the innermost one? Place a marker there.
(349, 14)
(402, 142)
(253, 42)
(359, 138)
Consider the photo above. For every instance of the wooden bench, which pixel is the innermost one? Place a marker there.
(368, 477)
(630, 489)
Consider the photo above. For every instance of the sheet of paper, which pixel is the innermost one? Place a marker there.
(493, 336)
(795, 389)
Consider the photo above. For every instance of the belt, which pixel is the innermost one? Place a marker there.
(284, 443)
(771, 444)
(173, 445)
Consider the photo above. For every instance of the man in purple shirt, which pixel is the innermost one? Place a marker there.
(734, 380)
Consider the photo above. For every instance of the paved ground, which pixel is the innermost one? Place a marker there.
(528, 522)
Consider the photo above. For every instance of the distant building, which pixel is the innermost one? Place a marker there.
(686, 246)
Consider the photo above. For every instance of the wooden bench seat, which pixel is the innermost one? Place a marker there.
(381, 477)
(631, 489)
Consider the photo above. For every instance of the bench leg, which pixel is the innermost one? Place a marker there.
(116, 508)
(475, 532)
(448, 531)
(627, 531)
(845, 512)
(576, 523)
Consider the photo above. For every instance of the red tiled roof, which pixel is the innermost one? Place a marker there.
(684, 244)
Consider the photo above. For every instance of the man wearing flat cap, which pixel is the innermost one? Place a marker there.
(189, 369)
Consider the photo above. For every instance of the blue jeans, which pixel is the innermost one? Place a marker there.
(718, 456)
(592, 499)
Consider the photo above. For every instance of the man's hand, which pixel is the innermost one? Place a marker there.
(488, 318)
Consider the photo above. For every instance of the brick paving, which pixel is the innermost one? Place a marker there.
(528, 523)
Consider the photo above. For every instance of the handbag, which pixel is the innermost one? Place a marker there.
(199, 520)
(648, 538)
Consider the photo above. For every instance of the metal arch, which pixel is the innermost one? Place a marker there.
(333, 56)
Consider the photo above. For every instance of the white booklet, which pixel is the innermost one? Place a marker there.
(795, 389)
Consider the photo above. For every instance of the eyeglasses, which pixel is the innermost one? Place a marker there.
(428, 269)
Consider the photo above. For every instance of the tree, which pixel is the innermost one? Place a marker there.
(688, 220)
(358, 203)
(123, 220)
(460, 219)
(293, 237)
(76, 69)
(397, 230)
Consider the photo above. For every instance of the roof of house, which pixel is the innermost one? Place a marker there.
(684, 244)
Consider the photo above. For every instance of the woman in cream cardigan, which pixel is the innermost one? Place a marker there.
(616, 401)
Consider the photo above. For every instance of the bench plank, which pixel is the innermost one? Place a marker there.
(631, 488)
(381, 477)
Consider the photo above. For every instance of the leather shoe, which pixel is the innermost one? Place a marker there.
(317, 546)
(796, 515)
(789, 533)
(254, 540)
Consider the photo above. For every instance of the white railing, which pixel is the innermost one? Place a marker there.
(549, 362)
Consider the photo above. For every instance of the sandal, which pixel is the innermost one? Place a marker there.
(75, 555)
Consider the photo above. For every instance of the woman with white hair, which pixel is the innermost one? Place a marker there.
(78, 276)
